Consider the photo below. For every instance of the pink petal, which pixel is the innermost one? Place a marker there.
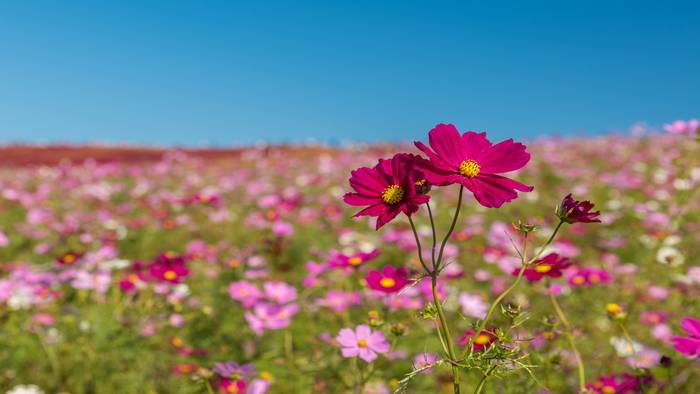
(687, 346)
(363, 332)
(368, 181)
(346, 337)
(367, 354)
(505, 156)
(372, 210)
(386, 217)
(350, 351)
(691, 326)
(360, 200)
(444, 139)
(473, 146)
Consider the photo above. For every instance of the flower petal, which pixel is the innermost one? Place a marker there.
(505, 156)
(445, 141)
(473, 145)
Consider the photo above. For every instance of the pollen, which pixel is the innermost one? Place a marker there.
(469, 168)
(608, 390)
(482, 339)
(393, 194)
(543, 268)
(362, 343)
(69, 258)
(355, 261)
(387, 283)
(579, 280)
(170, 275)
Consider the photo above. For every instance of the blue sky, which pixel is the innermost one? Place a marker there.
(230, 73)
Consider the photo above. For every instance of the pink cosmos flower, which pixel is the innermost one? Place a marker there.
(340, 260)
(484, 340)
(388, 188)
(587, 276)
(362, 342)
(574, 211)
(169, 268)
(270, 317)
(683, 127)
(339, 301)
(549, 266)
(618, 384)
(389, 280)
(423, 360)
(244, 292)
(688, 345)
(279, 292)
(474, 162)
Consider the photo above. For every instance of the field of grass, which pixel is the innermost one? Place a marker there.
(179, 272)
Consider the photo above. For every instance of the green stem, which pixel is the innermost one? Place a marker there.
(432, 226)
(446, 332)
(420, 249)
(452, 227)
(570, 338)
(482, 383)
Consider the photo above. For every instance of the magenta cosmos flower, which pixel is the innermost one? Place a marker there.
(363, 343)
(574, 211)
(474, 162)
(389, 280)
(690, 345)
(389, 188)
(550, 266)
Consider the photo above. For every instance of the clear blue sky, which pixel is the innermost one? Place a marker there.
(234, 73)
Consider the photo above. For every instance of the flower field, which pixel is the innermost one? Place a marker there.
(554, 266)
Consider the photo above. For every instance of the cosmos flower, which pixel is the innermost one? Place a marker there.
(423, 360)
(688, 345)
(340, 260)
(574, 211)
(244, 292)
(69, 258)
(169, 270)
(474, 162)
(362, 342)
(549, 266)
(485, 339)
(683, 127)
(279, 292)
(388, 188)
(231, 369)
(587, 276)
(389, 280)
(617, 384)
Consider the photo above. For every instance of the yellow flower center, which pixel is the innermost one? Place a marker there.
(392, 194)
(613, 309)
(469, 168)
(543, 268)
(578, 279)
(482, 339)
(170, 275)
(354, 261)
(69, 258)
(387, 282)
(362, 343)
(264, 375)
(608, 390)
(594, 278)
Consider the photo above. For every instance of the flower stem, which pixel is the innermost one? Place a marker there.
(420, 249)
(452, 227)
(570, 338)
(446, 332)
(482, 383)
